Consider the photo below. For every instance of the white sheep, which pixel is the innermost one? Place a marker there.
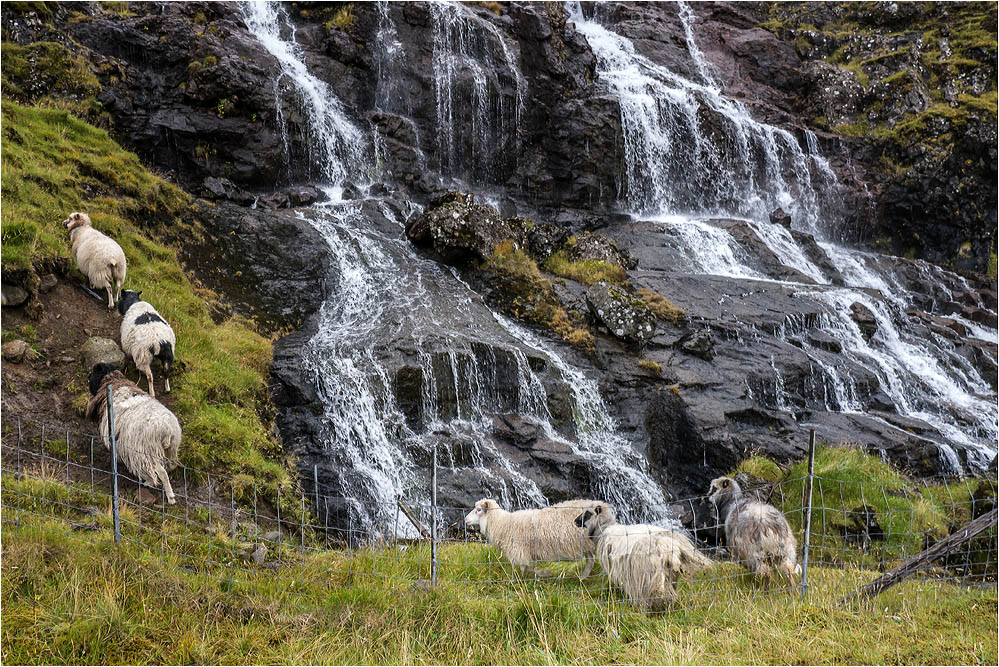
(755, 532)
(147, 434)
(545, 534)
(145, 336)
(98, 256)
(643, 560)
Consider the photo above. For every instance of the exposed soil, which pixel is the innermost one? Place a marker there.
(51, 391)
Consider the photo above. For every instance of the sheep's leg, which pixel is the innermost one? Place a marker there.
(166, 382)
(165, 479)
(149, 379)
(587, 568)
(110, 299)
(536, 574)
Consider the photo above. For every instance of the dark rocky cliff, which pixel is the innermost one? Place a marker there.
(909, 132)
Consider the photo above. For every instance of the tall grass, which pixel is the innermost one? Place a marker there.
(71, 598)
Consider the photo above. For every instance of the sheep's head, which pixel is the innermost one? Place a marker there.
(478, 517)
(128, 299)
(97, 375)
(594, 520)
(76, 220)
(724, 490)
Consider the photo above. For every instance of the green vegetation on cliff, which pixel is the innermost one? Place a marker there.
(54, 164)
(925, 68)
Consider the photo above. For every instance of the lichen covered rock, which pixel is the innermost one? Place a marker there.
(626, 316)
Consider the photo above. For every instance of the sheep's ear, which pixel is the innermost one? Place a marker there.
(583, 518)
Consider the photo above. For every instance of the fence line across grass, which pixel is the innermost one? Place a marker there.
(848, 530)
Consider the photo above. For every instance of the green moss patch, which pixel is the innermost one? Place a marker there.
(523, 292)
(587, 271)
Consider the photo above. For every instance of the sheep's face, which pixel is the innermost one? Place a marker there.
(593, 521)
(477, 518)
(128, 299)
(76, 220)
(97, 375)
(724, 490)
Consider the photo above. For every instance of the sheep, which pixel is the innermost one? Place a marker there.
(544, 534)
(97, 256)
(641, 559)
(144, 336)
(147, 434)
(756, 532)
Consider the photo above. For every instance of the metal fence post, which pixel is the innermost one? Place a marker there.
(114, 469)
(809, 481)
(20, 443)
(315, 487)
(433, 520)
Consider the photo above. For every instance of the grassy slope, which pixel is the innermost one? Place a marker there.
(847, 478)
(53, 164)
(180, 594)
(70, 597)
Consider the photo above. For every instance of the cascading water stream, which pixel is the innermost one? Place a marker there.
(677, 173)
(386, 300)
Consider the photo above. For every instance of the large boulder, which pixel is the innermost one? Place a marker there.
(587, 246)
(626, 316)
(99, 350)
(460, 231)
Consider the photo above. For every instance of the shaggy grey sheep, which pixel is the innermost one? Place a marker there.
(642, 560)
(756, 532)
(147, 434)
(544, 534)
(145, 336)
(97, 256)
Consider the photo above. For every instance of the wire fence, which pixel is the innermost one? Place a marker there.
(845, 532)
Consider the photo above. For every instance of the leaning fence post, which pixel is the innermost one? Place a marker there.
(433, 520)
(808, 511)
(114, 468)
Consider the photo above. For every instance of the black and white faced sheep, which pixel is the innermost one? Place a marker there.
(642, 560)
(97, 256)
(147, 434)
(545, 534)
(146, 336)
(756, 532)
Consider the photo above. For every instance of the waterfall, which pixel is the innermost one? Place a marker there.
(386, 301)
(474, 122)
(339, 144)
(675, 161)
(678, 173)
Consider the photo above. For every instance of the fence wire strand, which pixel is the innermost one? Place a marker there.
(859, 529)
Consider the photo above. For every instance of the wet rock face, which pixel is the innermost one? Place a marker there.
(863, 316)
(271, 266)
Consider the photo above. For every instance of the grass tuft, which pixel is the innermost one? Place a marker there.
(587, 271)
